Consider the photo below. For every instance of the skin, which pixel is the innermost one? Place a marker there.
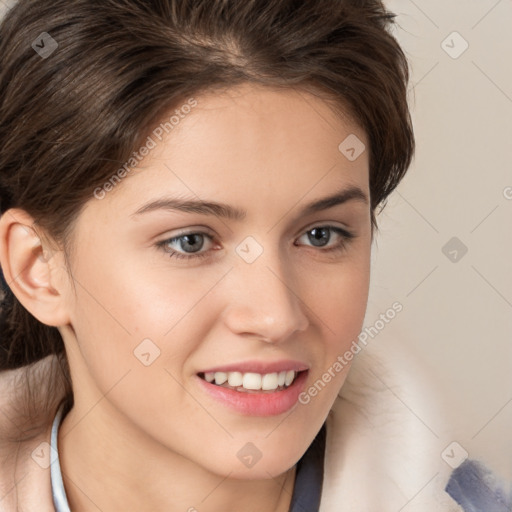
(148, 438)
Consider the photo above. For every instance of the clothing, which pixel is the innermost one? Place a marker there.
(381, 453)
(476, 489)
(60, 499)
(308, 476)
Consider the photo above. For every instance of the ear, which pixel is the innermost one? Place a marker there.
(32, 269)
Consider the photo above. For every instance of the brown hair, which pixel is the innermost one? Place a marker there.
(69, 119)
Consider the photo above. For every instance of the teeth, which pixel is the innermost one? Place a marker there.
(220, 378)
(235, 379)
(252, 381)
(269, 381)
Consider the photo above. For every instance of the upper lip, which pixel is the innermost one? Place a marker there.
(261, 367)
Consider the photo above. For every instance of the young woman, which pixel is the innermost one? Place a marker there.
(189, 193)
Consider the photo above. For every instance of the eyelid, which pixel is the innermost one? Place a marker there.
(348, 232)
(190, 230)
(174, 237)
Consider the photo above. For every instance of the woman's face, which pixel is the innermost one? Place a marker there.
(276, 288)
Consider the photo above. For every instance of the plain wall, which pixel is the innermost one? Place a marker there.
(457, 315)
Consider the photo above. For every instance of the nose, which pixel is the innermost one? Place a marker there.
(262, 302)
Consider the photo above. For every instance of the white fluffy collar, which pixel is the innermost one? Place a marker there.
(382, 455)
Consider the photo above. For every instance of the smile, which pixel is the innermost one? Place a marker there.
(254, 394)
(250, 382)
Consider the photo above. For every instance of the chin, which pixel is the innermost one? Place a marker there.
(263, 470)
(252, 461)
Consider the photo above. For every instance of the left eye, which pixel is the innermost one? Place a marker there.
(194, 241)
(189, 244)
(320, 236)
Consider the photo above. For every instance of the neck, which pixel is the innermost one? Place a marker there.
(111, 466)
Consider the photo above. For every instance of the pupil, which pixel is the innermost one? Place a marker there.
(190, 238)
(319, 234)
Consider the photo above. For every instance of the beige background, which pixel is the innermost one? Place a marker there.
(457, 315)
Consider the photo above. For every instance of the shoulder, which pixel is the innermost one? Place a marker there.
(29, 398)
(25, 426)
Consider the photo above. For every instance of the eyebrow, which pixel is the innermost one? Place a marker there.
(352, 193)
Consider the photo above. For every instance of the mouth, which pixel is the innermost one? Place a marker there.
(255, 394)
(250, 382)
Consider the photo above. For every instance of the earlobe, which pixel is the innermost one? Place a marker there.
(30, 270)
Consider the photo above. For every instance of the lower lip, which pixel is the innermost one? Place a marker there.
(258, 404)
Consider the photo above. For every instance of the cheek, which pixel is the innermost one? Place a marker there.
(143, 319)
(129, 300)
(340, 305)
(341, 301)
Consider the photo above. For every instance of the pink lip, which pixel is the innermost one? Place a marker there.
(259, 367)
(257, 403)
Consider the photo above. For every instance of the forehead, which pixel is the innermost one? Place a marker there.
(244, 143)
(249, 114)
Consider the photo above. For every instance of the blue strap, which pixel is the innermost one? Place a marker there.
(309, 476)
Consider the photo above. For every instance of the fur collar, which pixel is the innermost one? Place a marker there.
(381, 452)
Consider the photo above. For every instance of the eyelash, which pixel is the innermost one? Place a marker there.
(346, 237)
